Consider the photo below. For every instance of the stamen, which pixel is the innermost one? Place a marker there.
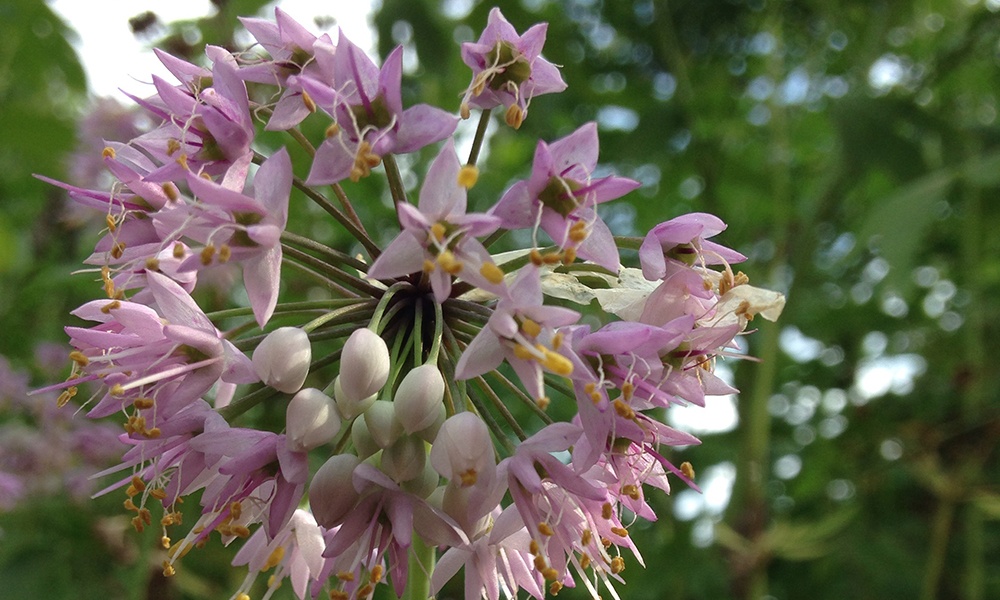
(308, 101)
(492, 273)
(687, 470)
(468, 176)
(108, 152)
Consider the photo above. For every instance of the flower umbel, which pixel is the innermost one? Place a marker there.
(402, 430)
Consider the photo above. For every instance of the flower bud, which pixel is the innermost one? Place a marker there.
(311, 420)
(281, 360)
(463, 449)
(425, 484)
(364, 445)
(419, 395)
(405, 459)
(348, 407)
(382, 423)
(429, 433)
(331, 492)
(364, 365)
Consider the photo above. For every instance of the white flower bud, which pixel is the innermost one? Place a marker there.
(429, 433)
(348, 407)
(364, 365)
(331, 492)
(362, 439)
(382, 424)
(463, 450)
(405, 459)
(419, 395)
(281, 360)
(424, 485)
(311, 420)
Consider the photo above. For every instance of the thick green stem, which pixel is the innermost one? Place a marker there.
(432, 357)
(418, 581)
(938, 548)
(376, 324)
(395, 179)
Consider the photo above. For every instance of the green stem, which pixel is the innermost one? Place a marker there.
(339, 216)
(336, 256)
(395, 179)
(418, 334)
(345, 202)
(418, 581)
(493, 237)
(477, 142)
(501, 408)
(490, 420)
(286, 307)
(522, 396)
(432, 357)
(375, 324)
(938, 548)
(302, 141)
(329, 270)
(333, 286)
(330, 316)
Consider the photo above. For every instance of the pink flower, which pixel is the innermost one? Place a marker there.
(507, 68)
(683, 239)
(438, 237)
(562, 195)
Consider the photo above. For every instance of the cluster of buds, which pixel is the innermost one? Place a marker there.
(427, 446)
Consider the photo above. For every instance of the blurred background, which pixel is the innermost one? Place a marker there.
(852, 146)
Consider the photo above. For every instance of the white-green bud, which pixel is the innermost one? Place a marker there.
(405, 459)
(380, 418)
(348, 407)
(311, 420)
(281, 360)
(418, 397)
(362, 439)
(331, 492)
(364, 365)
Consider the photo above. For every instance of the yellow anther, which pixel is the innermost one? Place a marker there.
(110, 306)
(557, 363)
(178, 250)
(339, 595)
(111, 223)
(143, 403)
(366, 590)
(79, 358)
(173, 145)
(530, 327)
(275, 558)
(468, 175)
(243, 597)
(273, 583)
(624, 410)
(606, 510)
(137, 524)
(108, 152)
(182, 160)
(540, 563)
(628, 388)
(617, 565)
(235, 510)
(557, 340)
(545, 529)
(536, 257)
(632, 491)
(492, 273)
(117, 390)
(138, 484)
(533, 547)
(438, 230)
(687, 470)
(523, 352)
(206, 254)
(65, 396)
(464, 110)
(449, 263)
(376, 574)
(428, 266)
(569, 256)
(619, 531)
(514, 116)
(605, 542)
(584, 561)
(118, 249)
(129, 505)
(345, 576)
(550, 574)
(147, 517)
(152, 264)
(165, 542)
(167, 520)
(168, 569)
(543, 402)
(225, 252)
(551, 258)
(586, 537)
(154, 433)
(468, 477)
(332, 130)
(554, 588)
(171, 191)
(308, 101)
(158, 493)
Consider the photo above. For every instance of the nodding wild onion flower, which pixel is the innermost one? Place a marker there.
(392, 386)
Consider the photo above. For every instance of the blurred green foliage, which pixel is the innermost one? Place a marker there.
(853, 147)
